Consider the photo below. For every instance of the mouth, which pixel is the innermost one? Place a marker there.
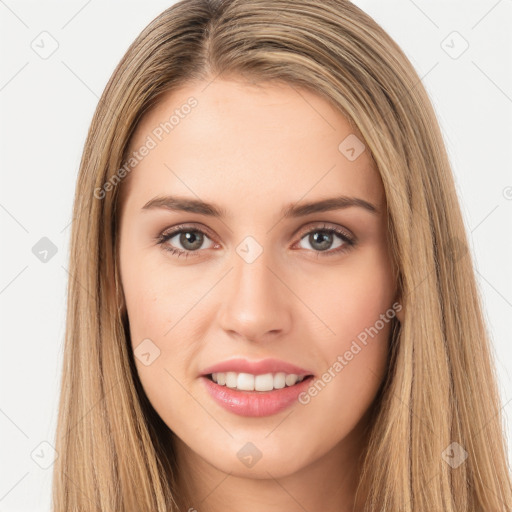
(263, 383)
(255, 395)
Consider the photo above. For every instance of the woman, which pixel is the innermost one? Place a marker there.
(273, 304)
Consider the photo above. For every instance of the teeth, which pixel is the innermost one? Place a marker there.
(279, 380)
(249, 382)
(245, 382)
(231, 379)
(263, 382)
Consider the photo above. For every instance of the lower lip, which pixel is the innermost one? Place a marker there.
(255, 403)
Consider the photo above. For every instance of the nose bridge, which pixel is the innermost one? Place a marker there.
(254, 304)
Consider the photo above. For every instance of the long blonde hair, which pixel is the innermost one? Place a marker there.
(114, 450)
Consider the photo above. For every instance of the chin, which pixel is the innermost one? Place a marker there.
(260, 460)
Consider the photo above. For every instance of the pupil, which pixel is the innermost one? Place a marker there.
(324, 240)
(191, 237)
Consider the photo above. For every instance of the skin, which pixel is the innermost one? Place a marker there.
(252, 150)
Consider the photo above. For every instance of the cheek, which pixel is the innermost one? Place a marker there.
(164, 307)
(158, 298)
(351, 297)
(160, 317)
(354, 303)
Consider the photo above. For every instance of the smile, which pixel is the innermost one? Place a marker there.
(255, 403)
(250, 382)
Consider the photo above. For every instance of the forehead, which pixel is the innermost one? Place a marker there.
(237, 140)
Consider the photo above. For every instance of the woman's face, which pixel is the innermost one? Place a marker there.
(259, 273)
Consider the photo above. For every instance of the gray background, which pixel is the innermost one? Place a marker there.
(47, 102)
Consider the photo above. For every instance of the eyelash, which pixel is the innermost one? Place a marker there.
(163, 237)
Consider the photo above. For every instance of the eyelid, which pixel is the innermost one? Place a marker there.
(322, 225)
(303, 231)
(182, 227)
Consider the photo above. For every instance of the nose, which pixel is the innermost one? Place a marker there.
(256, 305)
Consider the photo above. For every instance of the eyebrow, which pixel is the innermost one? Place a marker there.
(185, 204)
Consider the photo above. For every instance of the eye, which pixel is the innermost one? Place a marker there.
(321, 239)
(190, 238)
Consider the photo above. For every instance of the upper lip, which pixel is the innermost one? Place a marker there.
(256, 367)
